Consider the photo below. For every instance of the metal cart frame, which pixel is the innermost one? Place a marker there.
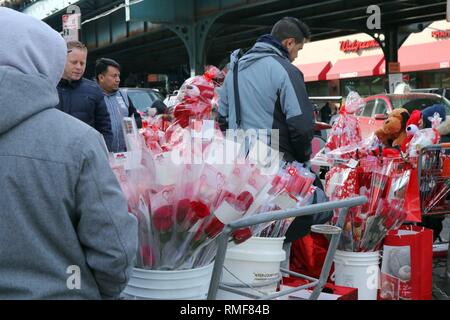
(318, 284)
(430, 176)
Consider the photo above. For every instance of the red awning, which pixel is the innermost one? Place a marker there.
(315, 71)
(356, 67)
(428, 56)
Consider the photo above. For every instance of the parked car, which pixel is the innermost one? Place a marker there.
(142, 98)
(445, 92)
(373, 115)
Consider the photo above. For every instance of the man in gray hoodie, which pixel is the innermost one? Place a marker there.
(65, 230)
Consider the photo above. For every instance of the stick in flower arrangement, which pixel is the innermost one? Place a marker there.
(378, 184)
(389, 215)
(208, 190)
(291, 188)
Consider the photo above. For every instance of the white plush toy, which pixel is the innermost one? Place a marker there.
(425, 137)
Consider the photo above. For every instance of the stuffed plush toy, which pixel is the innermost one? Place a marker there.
(399, 264)
(412, 126)
(393, 132)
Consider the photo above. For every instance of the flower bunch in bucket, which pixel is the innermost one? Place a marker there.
(292, 187)
(384, 183)
(182, 206)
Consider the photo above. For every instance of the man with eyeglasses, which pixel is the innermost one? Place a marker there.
(80, 97)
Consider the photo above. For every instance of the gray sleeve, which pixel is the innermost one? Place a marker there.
(106, 230)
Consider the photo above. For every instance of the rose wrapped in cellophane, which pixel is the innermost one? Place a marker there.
(346, 130)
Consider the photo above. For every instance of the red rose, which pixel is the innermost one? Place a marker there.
(241, 235)
(183, 208)
(162, 218)
(243, 201)
(214, 227)
(200, 210)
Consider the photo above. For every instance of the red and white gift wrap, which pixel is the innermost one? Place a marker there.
(345, 131)
(341, 183)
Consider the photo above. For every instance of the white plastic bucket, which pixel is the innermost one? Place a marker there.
(255, 262)
(190, 284)
(359, 270)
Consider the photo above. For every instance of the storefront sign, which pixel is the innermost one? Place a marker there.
(394, 67)
(440, 34)
(348, 75)
(355, 46)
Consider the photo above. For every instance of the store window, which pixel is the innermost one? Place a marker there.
(317, 88)
(431, 79)
(445, 79)
(377, 85)
(364, 86)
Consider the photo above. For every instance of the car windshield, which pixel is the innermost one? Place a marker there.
(159, 95)
(418, 102)
(142, 99)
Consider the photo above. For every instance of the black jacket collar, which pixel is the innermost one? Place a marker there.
(70, 83)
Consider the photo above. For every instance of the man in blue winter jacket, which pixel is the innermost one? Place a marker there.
(272, 92)
(80, 97)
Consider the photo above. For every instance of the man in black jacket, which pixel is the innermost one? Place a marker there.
(80, 97)
(269, 93)
(271, 90)
(107, 73)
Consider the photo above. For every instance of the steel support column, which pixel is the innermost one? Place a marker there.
(390, 41)
(194, 38)
(392, 38)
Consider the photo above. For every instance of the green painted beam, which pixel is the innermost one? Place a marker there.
(167, 11)
(187, 11)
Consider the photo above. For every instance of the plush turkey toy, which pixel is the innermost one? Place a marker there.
(412, 126)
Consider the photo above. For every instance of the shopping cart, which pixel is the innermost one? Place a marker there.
(317, 284)
(434, 179)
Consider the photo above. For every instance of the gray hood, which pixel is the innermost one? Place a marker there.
(259, 51)
(32, 59)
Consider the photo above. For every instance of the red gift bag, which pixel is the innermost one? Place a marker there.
(412, 198)
(406, 272)
(308, 254)
(404, 185)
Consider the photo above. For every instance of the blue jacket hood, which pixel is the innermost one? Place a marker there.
(264, 47)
